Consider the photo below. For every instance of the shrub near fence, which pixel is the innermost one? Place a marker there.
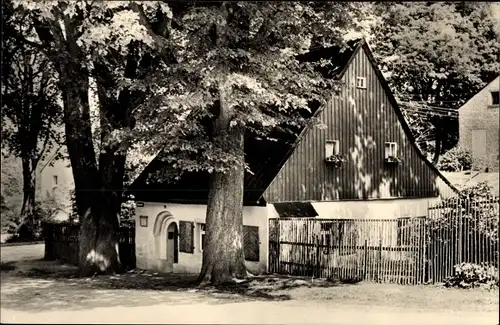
(462, 230)
(61, 243)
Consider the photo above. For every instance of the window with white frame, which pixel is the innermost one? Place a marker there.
(332, 147)
(391, 149)
(361, 82)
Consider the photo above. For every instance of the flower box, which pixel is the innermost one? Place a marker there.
(392, 160)
(336, 160)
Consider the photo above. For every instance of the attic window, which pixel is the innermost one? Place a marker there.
(54, 178)
(361, 82)
(495, 98)
(332, 147)
(391, 149)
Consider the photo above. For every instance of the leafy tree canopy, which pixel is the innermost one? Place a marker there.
(436, 55)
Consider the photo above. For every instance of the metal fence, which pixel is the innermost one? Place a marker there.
(61, 243)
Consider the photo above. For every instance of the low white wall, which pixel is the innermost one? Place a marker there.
(374, 209)
(150, 257)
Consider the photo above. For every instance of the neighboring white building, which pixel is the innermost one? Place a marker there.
(479, 127)
(55, 179)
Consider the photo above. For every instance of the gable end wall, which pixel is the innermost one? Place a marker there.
(362, 120)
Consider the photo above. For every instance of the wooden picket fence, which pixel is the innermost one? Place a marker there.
(403, 250)
(389, 251)
(461, 230)
(61, 243)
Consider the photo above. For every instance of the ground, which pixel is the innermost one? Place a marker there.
(35, 291)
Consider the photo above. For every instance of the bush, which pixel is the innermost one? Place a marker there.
(468, 275)
(127, 212)
(455, 160)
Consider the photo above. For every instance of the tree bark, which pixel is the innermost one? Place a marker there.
(97, 189)
(27, 227)
(98, 240)
(223, 254)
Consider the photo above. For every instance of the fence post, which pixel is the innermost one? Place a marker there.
(48, 234)
(379, 264)
(278, 245)
(366, 259)
(460, 233)
(318, 263)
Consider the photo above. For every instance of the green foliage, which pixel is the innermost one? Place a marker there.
(44, 211)
(250, 50)
(476, 209)
(12, 192)
(127, 210)
(468, 275)
(436, 54)
(30, 112)
(246, 55)
(455, 159)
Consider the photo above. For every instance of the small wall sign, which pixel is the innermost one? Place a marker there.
(139, 204)
(143, 221)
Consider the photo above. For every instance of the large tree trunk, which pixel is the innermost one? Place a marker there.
(98, 240)
(95, 188)
(27, 227)
(223, 254)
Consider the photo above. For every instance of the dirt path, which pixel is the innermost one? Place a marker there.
(30, 293)
(290, 312)
(21, 253)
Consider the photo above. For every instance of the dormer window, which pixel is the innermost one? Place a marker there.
(495, 98)
(361, 82)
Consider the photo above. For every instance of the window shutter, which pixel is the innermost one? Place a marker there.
(186, 237)
(251, 243)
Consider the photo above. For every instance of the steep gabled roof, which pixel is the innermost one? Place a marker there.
(401, 118)
(265, 158)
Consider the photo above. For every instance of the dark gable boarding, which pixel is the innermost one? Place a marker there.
(362, 120)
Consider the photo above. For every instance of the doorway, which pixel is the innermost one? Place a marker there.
(172, 243)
